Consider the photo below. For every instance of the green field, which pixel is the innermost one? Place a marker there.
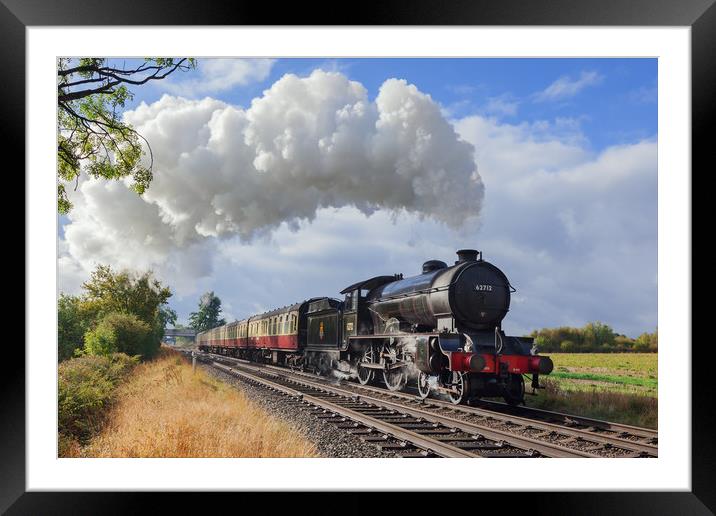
(620, 387)
(615, 372)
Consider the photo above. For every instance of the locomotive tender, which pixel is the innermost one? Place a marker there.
(442, 328)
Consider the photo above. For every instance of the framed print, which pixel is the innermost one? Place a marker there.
(556, 139)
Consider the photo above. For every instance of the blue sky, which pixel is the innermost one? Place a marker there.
(619, 107)
(565, 202)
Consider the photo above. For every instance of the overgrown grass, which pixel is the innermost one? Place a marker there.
(165, 410)
(619, 387)
(618, 407)
(86, 389)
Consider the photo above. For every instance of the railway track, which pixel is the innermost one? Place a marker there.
(595, 438)
(394, 425)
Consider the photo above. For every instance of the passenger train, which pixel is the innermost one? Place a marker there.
(440, 331)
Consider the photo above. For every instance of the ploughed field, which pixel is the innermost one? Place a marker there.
(619, 387)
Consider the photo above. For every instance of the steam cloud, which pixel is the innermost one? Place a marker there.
(307, 143)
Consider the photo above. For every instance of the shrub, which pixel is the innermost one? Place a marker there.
(72, 323)
(85, 388)
(102, 340)
(567, 346)
(121, 333)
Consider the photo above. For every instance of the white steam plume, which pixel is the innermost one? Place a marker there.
(307, 143)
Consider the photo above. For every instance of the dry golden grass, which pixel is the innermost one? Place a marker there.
(165, 410)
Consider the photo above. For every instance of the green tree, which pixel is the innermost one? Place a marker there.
(647, 342)
(166, 317)
(140, 295)
(108, 291)
(597, 336)
(91, 93)
(72, 322)
(208, 315)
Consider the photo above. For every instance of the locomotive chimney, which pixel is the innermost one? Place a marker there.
(466, 255)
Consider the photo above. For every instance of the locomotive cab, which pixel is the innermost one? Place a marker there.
(356, 316)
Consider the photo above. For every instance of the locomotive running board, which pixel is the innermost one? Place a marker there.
(389, 335)
(383, 367)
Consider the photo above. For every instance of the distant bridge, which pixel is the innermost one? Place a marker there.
(170, 334)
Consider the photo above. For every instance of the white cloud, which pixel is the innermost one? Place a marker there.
(575, 231)
(644, 95)
(501, 105)
(217, 75)
(566, 87)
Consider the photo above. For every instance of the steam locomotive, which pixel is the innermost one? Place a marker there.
(441, 329)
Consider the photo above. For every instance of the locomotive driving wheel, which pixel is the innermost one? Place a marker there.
(366, 375)
(460, 384)
(514, 393)
(395, 378)
(423, 385)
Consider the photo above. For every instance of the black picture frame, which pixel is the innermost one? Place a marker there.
(700, 15)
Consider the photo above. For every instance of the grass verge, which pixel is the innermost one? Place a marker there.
(617, 407)
(166, 410)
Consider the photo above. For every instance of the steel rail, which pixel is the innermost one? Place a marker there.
(525, 443)
(431, 445)
(582, 434)
(527, 423)
(646, 433)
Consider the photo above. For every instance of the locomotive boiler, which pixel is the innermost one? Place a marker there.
(472, 295)
(440, 331)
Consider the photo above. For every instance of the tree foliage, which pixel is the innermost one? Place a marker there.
(72, 323)
(143, 295)
(105, 317)
(208, 315)
(594, 337)
(121, 333)
(91, 93)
